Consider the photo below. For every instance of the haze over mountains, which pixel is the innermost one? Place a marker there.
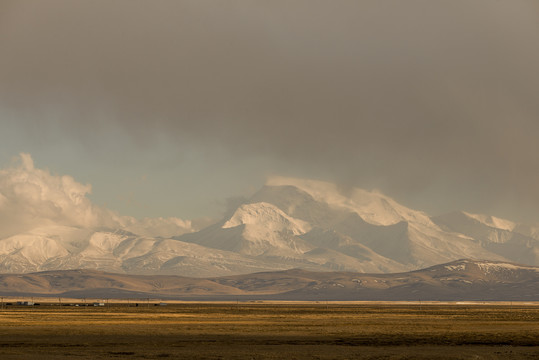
(289, 223)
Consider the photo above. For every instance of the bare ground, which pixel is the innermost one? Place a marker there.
(270, 331)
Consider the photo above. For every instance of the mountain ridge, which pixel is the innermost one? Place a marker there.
(455, 281)
(288, 223)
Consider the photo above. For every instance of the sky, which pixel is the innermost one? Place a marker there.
(169, 108)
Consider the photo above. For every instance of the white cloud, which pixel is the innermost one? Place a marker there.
(164, 227)
(31, 198)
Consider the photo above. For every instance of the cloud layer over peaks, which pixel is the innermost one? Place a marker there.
(31, 198)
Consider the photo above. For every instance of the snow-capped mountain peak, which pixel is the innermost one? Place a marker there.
(267, 229)
(267, 216)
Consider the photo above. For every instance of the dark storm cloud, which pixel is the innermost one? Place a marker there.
(435, 102)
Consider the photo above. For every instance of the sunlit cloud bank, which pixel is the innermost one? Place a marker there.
(31, 198)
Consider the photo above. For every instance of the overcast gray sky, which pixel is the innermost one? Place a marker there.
(169, 107)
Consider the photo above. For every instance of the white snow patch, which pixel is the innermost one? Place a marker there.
(493, 221)
(459, 267)
(489, 267)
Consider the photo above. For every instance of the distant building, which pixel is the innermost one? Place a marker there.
(25, 303)
(99, 304)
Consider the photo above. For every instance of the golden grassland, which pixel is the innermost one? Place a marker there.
(271, 331)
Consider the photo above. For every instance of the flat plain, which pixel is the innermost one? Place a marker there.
(253, 330)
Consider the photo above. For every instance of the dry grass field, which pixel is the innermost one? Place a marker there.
(270, 331)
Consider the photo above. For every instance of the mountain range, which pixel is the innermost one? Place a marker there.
(455, 281)
(289, 223)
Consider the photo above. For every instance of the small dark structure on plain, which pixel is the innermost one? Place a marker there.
(25, 303)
